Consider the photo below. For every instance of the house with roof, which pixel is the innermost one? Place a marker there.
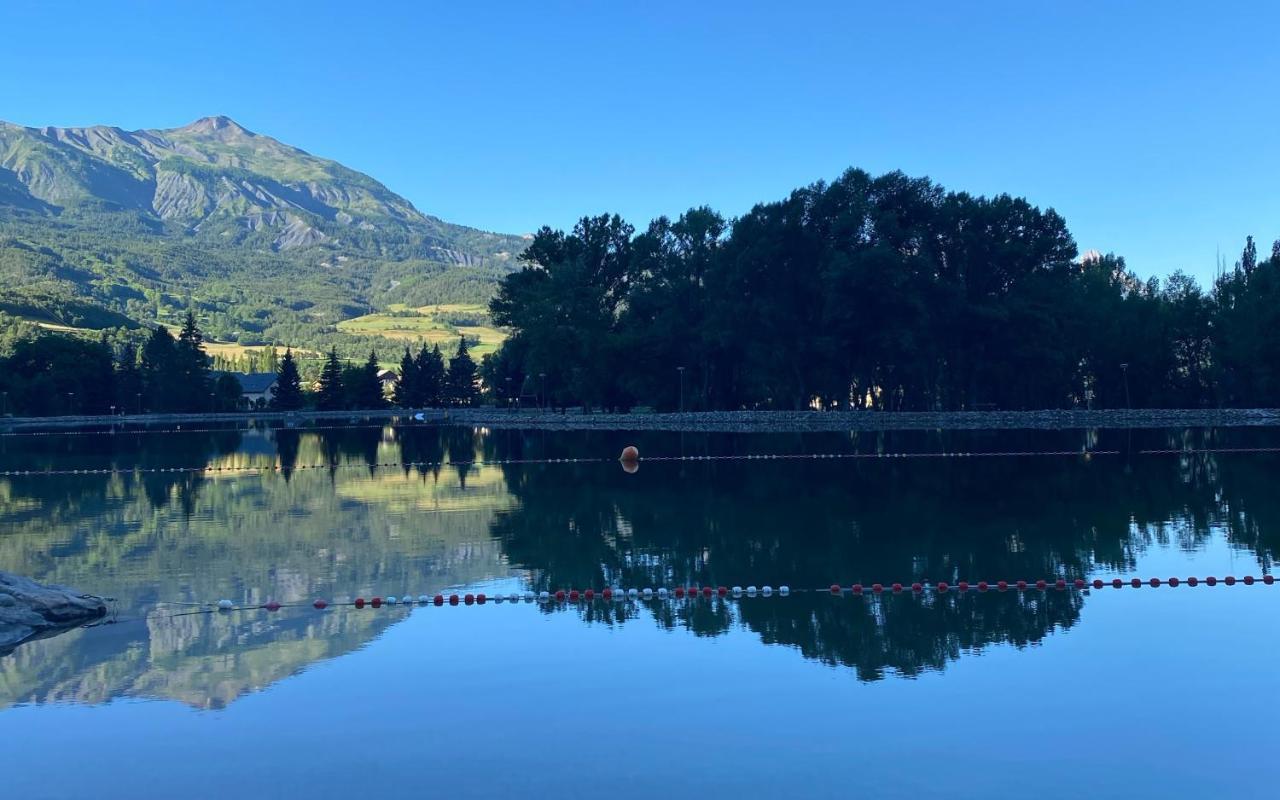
(255, 387)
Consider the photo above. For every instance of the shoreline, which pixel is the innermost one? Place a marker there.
(709, 421)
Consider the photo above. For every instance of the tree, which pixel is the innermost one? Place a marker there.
(408, 390)
(227, 393)
(191, 367)
(159, 372)
(287, 395)
(461, 385)
(431, 373)
(1249, 258)
(366, 390)
(331, 394)
(128, 381)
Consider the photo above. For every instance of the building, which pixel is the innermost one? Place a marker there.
(255, 387)
(388, 378)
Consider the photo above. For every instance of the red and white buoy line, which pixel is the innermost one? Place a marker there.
(696, 593)
(275, 468)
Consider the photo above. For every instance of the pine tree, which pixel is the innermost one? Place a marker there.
(367, 393)
(407, 389)
(331, 395)
(462, 388)
(159, 371)
(1275, 253)
(191, 366)
(286, 395)
(1249, 259)
(430, 366)
(128, 382)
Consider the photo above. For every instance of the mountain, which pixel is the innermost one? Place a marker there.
(253, 233)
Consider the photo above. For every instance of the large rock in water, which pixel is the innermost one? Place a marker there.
(30, 610)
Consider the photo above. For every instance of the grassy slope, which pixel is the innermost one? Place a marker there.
(429, 327)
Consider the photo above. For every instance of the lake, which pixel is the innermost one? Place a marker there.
(1057, 693)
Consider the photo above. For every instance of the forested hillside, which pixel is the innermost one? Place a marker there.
(101, 227)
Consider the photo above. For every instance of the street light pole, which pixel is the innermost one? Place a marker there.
(681, 371)
(1124, 369)
(543, 376)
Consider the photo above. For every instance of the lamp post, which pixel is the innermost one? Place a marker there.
(681, 371)
(70, 403)
(543, 404)
(1124, 369)
(508, 381)
(139, 402)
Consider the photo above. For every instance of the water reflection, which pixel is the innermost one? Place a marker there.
(326, 519)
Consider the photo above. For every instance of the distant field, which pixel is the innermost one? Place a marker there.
(433, 324)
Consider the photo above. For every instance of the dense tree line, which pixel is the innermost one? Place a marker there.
(878, 293)
(425, 380)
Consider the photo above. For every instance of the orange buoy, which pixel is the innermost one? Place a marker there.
(630, 454)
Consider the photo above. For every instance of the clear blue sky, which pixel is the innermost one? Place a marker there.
(1151, 128)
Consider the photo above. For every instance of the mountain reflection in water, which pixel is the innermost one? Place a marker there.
(350, 527)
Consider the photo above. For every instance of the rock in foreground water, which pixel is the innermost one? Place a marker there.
(30, 610)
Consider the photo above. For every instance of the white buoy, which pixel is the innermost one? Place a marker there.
(544, 597)
(423, 599)
(389, 600)
(766, 590)
(528, 597)
(225, 605)
(662, 593)
(648, 593)
(751, 591)
(784, 590)
(633, 593)
(737, 591)
(514, 597)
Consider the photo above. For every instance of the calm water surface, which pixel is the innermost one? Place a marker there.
(1105, 693)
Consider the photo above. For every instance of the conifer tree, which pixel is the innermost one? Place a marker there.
(191, 367)
(430, 366)
(331, 395)
(128, 382)
(367, 393)
(159, 371)
(462, 388)
(286, 395)
(408, 390)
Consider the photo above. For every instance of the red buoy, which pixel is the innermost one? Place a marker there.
(1155, 581)
(1229, 580)
(590, 594)
(438, 599)
(607, 594)
(982, 586)
(376, 602)
(1097, 583)
(857, 588)
(1136, 582)
(706, 591)
(1192, 581)
(1079, 584)
(560, 595)
(1059, 584)
(942, 586)
(272, 605)
(897, 587)
(480, 598)
(963, 586)
(1212, 581)
(1248, 580)
(1268, 579)
(1021, 585)
(722, 591)
(916, 587)
(835, 588)
(573, 595)
(453, 599)
(1117, 583)
(1174, 581)
(359, 602)
(679, 591)
(320, 604)
(877, 588)
(1040, 584)
(469, 598)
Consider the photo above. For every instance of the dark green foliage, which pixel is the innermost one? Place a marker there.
(364, 388)
(408, 391)
(48, 374)
(429, 365)
(880, 293)
(159, 372)
(461, 387)
(226, 393)
(287, 395)
(331, 394)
